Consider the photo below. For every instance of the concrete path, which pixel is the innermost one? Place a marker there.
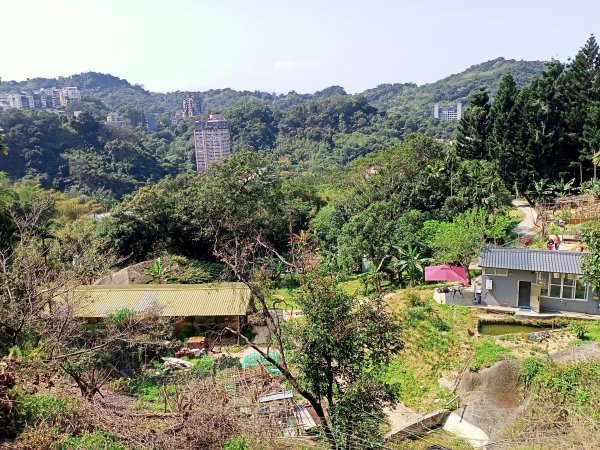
(475, 436)
(400, 417)
(527, 225)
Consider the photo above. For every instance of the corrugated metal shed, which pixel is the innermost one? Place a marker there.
(170, 300)
(533, 260)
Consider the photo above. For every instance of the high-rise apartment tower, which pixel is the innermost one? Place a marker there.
(212, 140)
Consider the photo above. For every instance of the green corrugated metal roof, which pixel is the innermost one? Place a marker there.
(171, 300)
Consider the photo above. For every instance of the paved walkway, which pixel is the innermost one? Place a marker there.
(400, 417)
(527, 225)
(467, 431)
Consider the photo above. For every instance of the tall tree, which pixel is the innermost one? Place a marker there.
(542, 128)
(576, 90)
(513, 160)
(473, 128)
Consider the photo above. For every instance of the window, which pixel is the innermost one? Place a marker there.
(562, 285)
(495, 271)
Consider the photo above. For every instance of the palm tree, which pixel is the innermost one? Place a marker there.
(410, 264)
(540, 191)
(374, 275)
(158, 271)
(561, 187)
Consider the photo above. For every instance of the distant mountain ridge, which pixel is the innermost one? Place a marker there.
(454, 88)
(119, 94)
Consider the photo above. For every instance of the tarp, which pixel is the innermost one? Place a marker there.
(446, 272)
(252, 359)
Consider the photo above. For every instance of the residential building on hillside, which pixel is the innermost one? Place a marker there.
(212, 140)
(447, 113)
(191, 106)
(69, 94)
(45, 98)
(4, 103)
(540, 280)
(151, 123)
(115, 119)
(19, 101)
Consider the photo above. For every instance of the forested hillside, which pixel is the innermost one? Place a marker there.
(118, 94)
(317, 131)
(331, 208)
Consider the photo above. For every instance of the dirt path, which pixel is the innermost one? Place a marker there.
(527, 225)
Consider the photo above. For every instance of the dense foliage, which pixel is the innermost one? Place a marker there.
(547, 130)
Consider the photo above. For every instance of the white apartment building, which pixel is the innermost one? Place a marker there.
(17, 101)
(212, 141)
(68, 94)
(447, 113)
(115, 119)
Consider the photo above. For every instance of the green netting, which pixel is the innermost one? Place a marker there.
(252, 359)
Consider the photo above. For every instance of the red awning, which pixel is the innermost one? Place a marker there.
(446, 272)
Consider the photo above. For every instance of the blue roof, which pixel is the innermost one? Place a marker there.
(534, 260)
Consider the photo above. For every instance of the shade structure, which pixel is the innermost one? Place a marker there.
(446, 272)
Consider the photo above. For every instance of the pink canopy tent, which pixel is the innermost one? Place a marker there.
(446, 272)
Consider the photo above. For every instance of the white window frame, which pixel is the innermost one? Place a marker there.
(544, 279)
(495, 271)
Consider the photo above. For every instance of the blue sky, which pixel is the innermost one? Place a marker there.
(278, 46)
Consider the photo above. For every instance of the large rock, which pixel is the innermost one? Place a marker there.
(491, 397)
(585, 352)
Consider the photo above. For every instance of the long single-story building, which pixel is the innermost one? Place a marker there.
(542, 280)
(199, 306)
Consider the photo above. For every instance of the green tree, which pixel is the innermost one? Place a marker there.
(591, 260)
(513, 161)
(410, 264)
(342, 348)
(253, 126)
(577, 90)
(474, 128)
(459, 241)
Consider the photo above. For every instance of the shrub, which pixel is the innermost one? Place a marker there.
(414, 299)
(146, 389)
(226, 362)
(236, 443)
(289, 281)
(578, 329)
(203, 366)
(530, 368)
(32, 410)
(526, 241)
(194, 271)
(440, 324)
(120, 317)
(96, 440)
(487, 353)
(416, 314)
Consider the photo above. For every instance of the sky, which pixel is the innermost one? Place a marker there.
(283, 45)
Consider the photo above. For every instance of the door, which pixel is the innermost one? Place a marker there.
(524, 294)
(534, 298)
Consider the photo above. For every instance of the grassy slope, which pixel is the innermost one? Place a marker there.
(430, 352)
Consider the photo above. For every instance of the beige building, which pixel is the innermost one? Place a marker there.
(212, 140)
(68, 94)
(116, 120)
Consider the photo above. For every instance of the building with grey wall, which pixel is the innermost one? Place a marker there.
(212, 140)
(543, 280)
(448, 113)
